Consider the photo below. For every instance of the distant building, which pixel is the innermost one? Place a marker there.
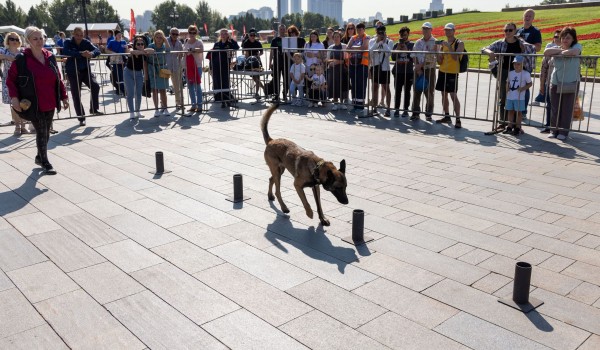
(262, 13)
(329, 8)
(296, 6)
(436, 5)
(284, 7)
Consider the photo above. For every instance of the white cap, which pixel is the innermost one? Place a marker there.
(449, 26)
(427, 25)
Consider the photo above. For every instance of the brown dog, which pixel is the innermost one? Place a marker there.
(307, 169)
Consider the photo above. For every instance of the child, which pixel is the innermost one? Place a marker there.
(517, 83)
(297, 72)
(318, 87)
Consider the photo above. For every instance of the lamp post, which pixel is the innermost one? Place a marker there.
(83, 3)
(174, 15)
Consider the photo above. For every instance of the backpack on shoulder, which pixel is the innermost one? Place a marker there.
(464, 60)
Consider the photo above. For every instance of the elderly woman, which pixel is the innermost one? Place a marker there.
(37, 98)
(220, 58)
(157, 60)
(511, 44)
(7, 56)
(565, 82)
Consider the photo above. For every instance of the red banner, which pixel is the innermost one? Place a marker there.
(206, 30)
(244, 29)
(132, 25)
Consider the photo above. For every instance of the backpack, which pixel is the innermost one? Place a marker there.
(252, 63)
(464, 60)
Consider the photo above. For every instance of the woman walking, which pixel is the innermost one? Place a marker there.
(36, 90)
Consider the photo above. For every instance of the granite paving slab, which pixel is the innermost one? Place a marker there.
(569, 311)
(191, 297)
(265, 301)
(159, 325)
(243, 330)
(5, 282)
(17, 314)
(202, 235)
(89, 229)
(42, 337)
(398, 332)
(535, 326)
(16, 251)
(105, 282)
(187, 256)
(141, 230)
(592, 343)
(42, 281)
(319, 331)
(268, 268)
(129, 256)
(81, 321)
(564, 249)
(34, 223)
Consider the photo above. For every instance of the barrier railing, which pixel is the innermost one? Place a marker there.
(367, 85)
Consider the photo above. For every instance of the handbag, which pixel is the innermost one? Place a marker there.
(421, 83)
(567, 88)
(164, 73)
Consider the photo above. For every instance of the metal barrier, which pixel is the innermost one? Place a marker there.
(227, 78)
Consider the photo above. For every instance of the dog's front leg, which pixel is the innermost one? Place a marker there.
(302, 196)
(317, 193)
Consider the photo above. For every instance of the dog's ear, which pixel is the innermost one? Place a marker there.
(343, 166)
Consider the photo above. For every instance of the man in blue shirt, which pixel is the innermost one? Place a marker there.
(80, 51)
(117, 62)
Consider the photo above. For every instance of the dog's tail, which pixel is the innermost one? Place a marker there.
(265, 121)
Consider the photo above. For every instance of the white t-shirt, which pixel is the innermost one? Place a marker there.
(515, 81)
(296, 70)
(315, 49)
(198, 44)
(318, 81)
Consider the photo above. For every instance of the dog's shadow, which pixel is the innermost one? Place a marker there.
(313, 242)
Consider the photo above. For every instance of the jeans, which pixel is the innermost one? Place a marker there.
(195, 91)
(359, 74)
(134, 84)
(293, 88)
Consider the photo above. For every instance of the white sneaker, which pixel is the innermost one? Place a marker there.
(139, 115)
(561, 137)
(131, 115)
(156, 113)
(165, 111)
(334, 108)
(552, 136)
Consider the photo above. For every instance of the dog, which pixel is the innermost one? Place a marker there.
(308, 170)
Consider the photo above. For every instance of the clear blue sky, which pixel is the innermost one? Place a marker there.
(352, 8)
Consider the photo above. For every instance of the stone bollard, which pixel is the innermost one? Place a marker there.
(160, 164)
(520, 298)
(358, 229)
(238, 189)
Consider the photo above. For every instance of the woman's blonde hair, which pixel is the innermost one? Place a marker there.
(15, 35)
(165, 41)
(29, 31)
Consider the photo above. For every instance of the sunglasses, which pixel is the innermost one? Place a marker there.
(14, 39)
(509, 30)
(351, 28)
(139, 44)
(192, 32)
(556, 37)
(174, 33)
(252, 34)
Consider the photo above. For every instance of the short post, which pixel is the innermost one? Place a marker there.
(358, 229)
(238, 189)
(520, 298)
(160, 164)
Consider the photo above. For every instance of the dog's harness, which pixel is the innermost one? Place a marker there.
(316, 171)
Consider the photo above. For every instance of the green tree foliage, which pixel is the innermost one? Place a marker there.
(317, 20)
(250, 21)
(39, 16)
(293, 18)
(10, 14)
(170, 14)
(65, 12)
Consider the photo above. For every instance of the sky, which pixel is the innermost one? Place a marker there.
(351, 8)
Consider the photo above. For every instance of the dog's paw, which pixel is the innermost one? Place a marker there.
(271, 197)
(285, 210)
(325, 222)
(309, 213)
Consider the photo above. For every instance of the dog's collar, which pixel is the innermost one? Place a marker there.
(316, 171)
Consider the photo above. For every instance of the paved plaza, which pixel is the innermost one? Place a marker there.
(107, 254)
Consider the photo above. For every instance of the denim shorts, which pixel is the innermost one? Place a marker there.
(515, 105)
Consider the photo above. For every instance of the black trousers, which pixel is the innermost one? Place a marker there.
(42, 126)
(75, 80)
(281, 77)
(403, 81)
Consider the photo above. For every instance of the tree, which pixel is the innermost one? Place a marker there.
(170, 14)
(10, 14)
(39, 16)
(100, 11)
(293, 19)
(65, 12)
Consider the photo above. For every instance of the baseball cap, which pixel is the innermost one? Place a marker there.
(449, 26)
(380, 30)
(252, 31)
(427, 25)
(519, 59)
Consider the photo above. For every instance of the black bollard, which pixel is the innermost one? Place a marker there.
(238, 189)
(160, 164)
(520, 298)
(358, 229)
